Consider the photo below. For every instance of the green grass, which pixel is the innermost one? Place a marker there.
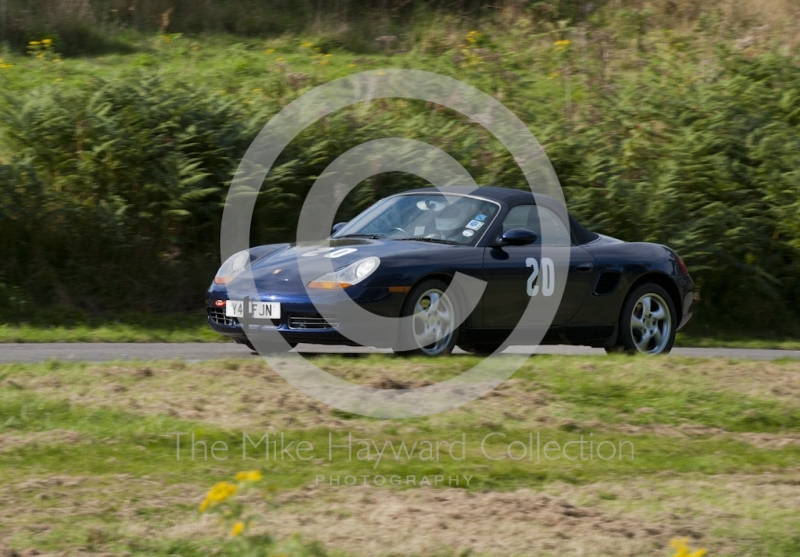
(160, 455)
(739, 339)
(76, 326)
(125, 327)
(716, 428)
(209, 59)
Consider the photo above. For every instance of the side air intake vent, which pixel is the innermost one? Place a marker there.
(606, 282)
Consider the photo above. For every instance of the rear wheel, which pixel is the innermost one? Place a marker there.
(433, 329)
(648, 322)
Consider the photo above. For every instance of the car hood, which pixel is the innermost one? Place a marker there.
(278, 264)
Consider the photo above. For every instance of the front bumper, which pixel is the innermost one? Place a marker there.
(303, 322)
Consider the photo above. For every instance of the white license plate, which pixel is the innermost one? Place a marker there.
(258, 310)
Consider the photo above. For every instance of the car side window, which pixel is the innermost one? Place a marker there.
(527, 217)
(518, 218)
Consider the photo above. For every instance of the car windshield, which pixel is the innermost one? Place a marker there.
(425, 217)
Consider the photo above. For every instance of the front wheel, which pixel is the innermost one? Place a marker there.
(648, 321)
(433, 328)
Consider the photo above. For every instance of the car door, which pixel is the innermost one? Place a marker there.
(514, 274)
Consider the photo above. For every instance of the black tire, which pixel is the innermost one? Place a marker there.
(647, 331)
(415, 302)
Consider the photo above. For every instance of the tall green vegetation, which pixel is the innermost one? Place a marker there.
(678, 127)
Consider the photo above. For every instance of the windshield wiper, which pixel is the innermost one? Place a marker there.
(373, 236)
(423, 239)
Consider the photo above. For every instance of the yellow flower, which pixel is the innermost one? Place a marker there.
(681, 547)
(59, 79)
(47, 42)
(327, 55)
(237, 529)
(352, 65)
(251, 476)
(34, 43)
(270, 50)
(279, 59)
(562, 45)
(219, 493)
(307, 44)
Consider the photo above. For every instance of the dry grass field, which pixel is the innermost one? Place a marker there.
(89, 463)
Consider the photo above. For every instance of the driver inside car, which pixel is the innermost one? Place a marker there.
(452, 220)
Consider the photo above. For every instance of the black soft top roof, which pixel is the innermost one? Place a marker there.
(510, 197)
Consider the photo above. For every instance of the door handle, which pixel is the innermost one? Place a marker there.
(584, 267)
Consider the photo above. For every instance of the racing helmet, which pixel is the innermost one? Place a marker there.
(455, 215)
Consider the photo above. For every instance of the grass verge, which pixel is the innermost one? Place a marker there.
(57, 326)
(125, 327)
(703, 448)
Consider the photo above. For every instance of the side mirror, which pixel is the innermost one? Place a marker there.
(517, 237)
(337, 227)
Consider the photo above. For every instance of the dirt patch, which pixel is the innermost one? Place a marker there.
(95, 510)
(251, 396)
(13, 441)
(688, 430)
(761, 379)
(385, 382)
(634, 518)
(245, 396)
(369, 521)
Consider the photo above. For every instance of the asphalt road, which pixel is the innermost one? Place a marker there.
(197, 351)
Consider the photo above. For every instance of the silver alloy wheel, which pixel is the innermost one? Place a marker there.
(433, 321)
(651, 324)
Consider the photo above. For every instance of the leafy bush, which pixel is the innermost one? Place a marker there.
(112, 190)
(115, 190)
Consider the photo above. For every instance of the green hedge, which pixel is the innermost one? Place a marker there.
(111, 192)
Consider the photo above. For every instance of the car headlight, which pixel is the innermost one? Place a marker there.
(234, 265)
(347, 276)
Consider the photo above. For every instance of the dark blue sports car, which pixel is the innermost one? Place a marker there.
(399, 257)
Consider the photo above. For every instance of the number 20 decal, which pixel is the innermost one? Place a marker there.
(333, 252)
(548, 281)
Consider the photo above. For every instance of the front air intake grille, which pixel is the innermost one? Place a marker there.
(606, 283)
(311, 322)
(217, 315)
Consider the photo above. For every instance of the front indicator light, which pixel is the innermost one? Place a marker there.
(328, 284)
